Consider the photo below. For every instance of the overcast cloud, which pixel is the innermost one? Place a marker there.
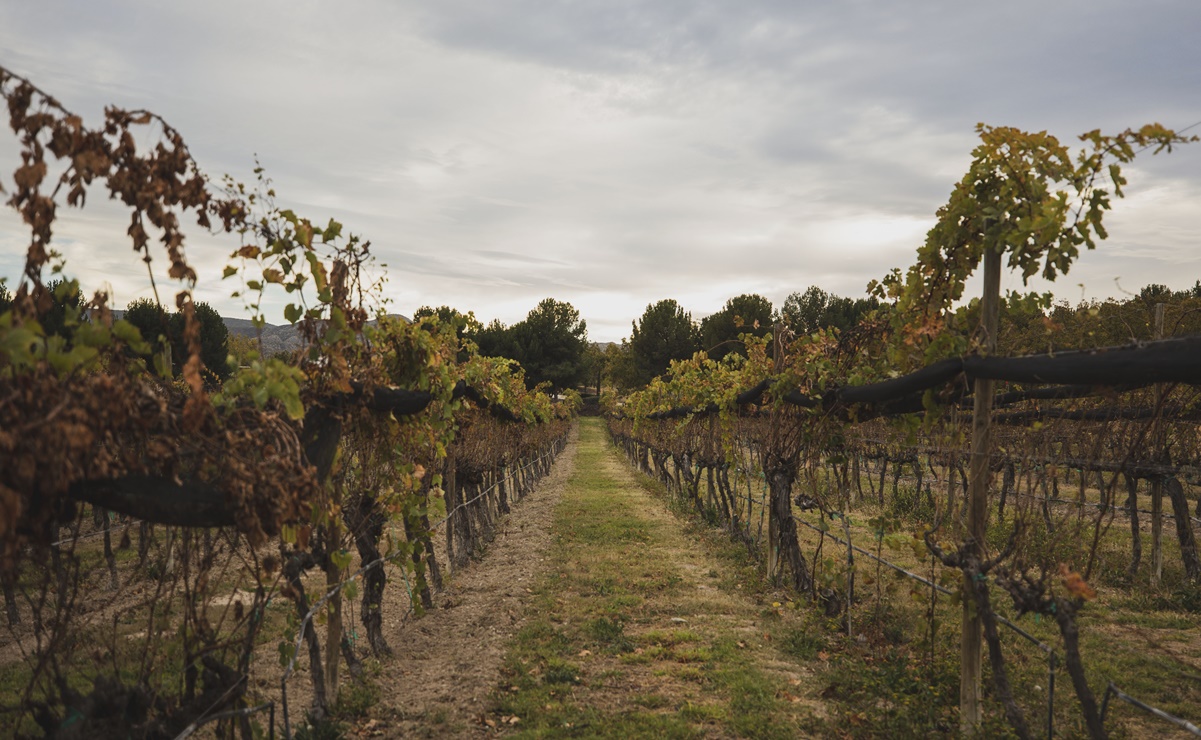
(615, 153)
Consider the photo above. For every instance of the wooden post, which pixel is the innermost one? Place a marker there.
(971, 643)
(449, 499)
(333, 625)
(1157, 482)
(773, 544)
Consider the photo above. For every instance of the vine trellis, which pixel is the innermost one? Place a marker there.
(912, 385)
(236, 494)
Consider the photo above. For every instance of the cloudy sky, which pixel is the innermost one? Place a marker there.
(613, 153)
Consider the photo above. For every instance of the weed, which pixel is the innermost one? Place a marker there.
(610, 633)
(912, 505)
(561, 672)
(801, 643)
(356, 699)
(326, 729)
(652, 701)
(703, 713)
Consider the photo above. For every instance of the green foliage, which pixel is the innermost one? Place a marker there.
(620, 369)
(665, 332)
(323, 729)
(815, 309)
(596, 366)
(63, 337)
(151, 320)
(1024, 197)
(214, 336)
(356, 699)
(65, 311)
(803, 644)
(610, 634)
(550, 344)
(262, 382)
(906, 696)
(465, 325)
(163, 331)
(745, 314)
(911, 504)
(493, 340)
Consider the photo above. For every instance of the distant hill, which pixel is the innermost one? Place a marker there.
(278, 338)
(275, 338)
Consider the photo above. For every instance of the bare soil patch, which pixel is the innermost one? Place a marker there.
(447, 661)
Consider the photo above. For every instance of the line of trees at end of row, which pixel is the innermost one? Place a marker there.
(667, 332)
(1030, 323)
(552, 344)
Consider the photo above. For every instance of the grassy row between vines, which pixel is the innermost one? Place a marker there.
(895, 672)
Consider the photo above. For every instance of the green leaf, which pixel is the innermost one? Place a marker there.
(162, 364)
(126, 332)
(294, 407)
(286, 651)
(341, 559)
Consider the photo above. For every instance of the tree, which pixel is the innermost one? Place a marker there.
(664, 333)
(550, 344)
(161, 330)
(214, 337)
(151, 321)
(619, 366)
(494, 340)
(66, 299)
(805, 313)
(64, 308)
(596, 364)
(746, 314)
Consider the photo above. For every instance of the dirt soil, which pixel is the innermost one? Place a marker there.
(448, 662)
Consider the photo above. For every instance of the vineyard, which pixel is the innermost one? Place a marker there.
(920, 388)
(157, 530)
(965, 497)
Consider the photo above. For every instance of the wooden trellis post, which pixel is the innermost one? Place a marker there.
(971, 642)
(1157, 481)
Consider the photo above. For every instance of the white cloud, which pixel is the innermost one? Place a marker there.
(613, 154)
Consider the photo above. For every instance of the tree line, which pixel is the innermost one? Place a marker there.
(551, 344)
(666, 332)
(1031, 323)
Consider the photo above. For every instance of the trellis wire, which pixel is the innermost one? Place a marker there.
(1112, 690)
(304, 623)
(245, 712)
(1052, 660)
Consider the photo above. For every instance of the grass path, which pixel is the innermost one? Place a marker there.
(641, 626)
